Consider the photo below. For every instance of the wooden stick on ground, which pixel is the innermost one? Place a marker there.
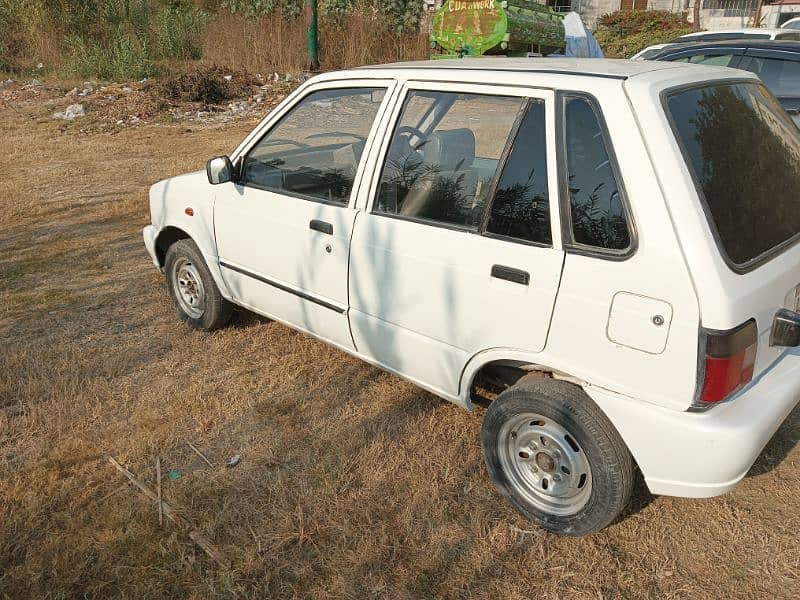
(172, 514)
(113, 492)
(158, 491)
(201, 455)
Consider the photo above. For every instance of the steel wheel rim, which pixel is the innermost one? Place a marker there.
(544, 464)
(188, 286)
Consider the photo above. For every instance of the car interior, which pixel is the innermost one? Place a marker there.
(434, 171)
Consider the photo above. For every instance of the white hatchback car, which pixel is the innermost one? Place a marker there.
(612, 244)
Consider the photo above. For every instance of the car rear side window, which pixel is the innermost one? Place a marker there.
(521, 207)
(744, 153)
(782, 77)
(597, 214)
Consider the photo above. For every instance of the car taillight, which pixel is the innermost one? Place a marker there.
(730, 357)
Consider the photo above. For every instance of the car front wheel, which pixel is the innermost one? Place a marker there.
(192, 289)
(556, 457)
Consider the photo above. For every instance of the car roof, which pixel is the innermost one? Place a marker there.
(597, 67)
(745, 43)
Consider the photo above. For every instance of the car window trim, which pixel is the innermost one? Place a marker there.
(270, 124)
(764, 257)
(291, 194)
(736, 52)
(567, 239)
(773, 53)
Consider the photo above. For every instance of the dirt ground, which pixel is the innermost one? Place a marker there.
(352, 483)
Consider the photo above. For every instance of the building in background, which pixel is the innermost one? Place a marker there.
(714, 14)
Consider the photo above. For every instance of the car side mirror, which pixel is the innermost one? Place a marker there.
(219, 170)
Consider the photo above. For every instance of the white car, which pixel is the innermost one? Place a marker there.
(649, 52)
(718, 35)
(792, 24)
(752, 33)
(590, 238)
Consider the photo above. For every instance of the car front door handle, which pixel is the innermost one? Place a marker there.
(511, 274)
(321, 226)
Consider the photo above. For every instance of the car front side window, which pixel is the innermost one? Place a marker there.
(315, 149)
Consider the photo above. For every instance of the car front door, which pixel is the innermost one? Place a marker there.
(459, 250)
(283, 226)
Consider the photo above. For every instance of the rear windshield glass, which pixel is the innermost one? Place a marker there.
(744, 153)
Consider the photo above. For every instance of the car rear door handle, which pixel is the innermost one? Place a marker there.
(511, 274)
(321, 226)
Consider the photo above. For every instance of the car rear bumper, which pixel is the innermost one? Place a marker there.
(699, 455)
(149, 234)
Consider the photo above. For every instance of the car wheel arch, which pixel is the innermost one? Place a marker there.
(165, 238)
(511, 366)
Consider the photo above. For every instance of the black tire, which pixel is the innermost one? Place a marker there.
(611, 474)
(215, 311)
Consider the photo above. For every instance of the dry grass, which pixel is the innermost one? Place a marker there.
(275, 44)
(352, 482)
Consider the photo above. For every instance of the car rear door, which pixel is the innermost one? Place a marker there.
(459, 250)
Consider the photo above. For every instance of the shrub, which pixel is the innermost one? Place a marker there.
(119, 39)
(207, 85)
(122, 56)
(405, 15)
(623, 33)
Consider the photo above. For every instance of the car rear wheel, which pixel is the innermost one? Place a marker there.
(192, 289)
(556, 457)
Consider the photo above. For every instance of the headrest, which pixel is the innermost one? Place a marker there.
(452, 149)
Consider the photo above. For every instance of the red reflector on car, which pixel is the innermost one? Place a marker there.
(726, 375)
(730, 360)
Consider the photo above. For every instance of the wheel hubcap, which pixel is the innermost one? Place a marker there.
(188, 286)
(544, 464)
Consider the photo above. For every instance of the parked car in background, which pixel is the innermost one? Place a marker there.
(592, 239)
(751, 33)
(746, 33)
(649, 52)
(776, 63)
(792, 24)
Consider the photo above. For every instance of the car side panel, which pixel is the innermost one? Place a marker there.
(169, 200)
(655, 275)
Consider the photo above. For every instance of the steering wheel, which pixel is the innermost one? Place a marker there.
(406, 133)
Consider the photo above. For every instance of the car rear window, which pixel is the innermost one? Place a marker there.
(744, 153)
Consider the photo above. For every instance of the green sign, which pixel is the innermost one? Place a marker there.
(469, 26)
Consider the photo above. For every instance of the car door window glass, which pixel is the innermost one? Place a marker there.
(719, 60)
(444, 156)
(597, 213)
(315, 149)
(520, 208)
(782, 77)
